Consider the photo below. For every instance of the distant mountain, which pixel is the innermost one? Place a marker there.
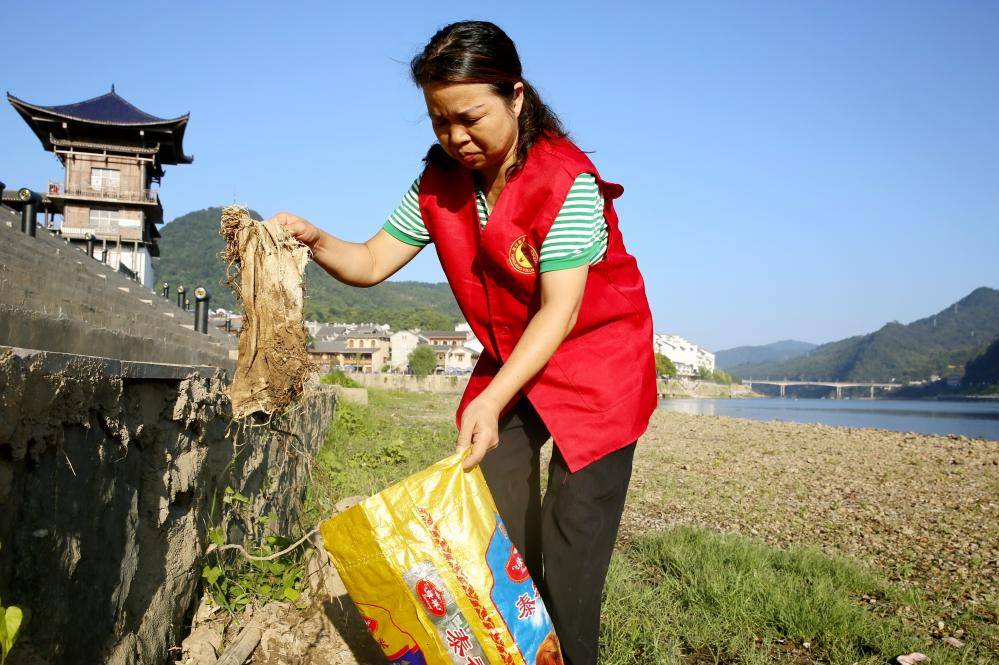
(773, 352)
(938, 344)
(189, 252)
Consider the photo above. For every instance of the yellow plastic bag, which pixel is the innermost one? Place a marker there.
(430, 568)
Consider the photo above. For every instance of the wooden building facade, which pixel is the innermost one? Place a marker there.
(112, 153)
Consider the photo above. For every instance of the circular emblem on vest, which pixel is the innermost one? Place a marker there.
(523, 257)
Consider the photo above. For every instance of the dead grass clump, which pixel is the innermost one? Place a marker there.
(265, 271)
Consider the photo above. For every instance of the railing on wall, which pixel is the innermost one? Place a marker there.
(108, 194)
(128, 272)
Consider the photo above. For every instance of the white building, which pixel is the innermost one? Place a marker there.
(455, 358)
(689, 358)
(402, 344)
(456, 350)
(473, 342)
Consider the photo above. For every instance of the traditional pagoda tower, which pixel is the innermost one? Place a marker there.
(112, 153)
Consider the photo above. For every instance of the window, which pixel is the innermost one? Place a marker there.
(101, 179)
(104, 221)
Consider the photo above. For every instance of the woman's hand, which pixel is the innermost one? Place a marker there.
(300, 229)
(354, 263)
(479, 429)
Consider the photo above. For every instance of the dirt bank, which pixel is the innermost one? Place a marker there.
(110, 474)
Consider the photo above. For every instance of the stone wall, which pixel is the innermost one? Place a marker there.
(428, 384)
(686, 388)
(108, 471)
(53, 297)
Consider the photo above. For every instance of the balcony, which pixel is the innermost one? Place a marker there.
(111, 195)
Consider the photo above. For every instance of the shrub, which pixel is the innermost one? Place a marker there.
(422, 360)
(338, 378)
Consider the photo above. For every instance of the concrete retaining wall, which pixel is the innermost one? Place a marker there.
(456, 385)
(426, 384)
(54, 297)
(108, 470)
(685, 388)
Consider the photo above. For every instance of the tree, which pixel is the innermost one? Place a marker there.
(723, 377)
(715, 376)
(422, 360)
(665, 366)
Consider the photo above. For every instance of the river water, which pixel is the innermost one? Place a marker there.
(972, 419)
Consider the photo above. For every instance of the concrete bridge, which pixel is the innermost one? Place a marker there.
(838, 385)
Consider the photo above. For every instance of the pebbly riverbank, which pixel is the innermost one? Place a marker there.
(922, 509)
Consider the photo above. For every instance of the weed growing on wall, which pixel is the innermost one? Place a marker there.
(10, 625)
(232, 580)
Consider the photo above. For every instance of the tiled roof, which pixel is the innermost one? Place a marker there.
(450, 348)
(339, 346)
(331, 346)
(107, 118)
(109, 108)
(367, 335)
(362, 329)
(454, 334)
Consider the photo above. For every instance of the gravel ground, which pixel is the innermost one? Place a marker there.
(922, 509)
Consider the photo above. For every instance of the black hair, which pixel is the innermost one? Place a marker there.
(480, 52)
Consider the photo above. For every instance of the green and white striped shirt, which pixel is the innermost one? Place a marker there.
(578, 235)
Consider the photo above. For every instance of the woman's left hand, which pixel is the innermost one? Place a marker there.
(479, 429)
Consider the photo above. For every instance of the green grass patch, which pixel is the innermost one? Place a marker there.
(370, 447)
(338, 378)
(690, 595)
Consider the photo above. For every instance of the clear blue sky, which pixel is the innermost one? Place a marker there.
(803, 170)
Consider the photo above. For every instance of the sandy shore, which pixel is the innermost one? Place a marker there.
(923, 509)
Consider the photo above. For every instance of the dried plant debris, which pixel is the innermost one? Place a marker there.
(265, 271)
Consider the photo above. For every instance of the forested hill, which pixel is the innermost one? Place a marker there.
(938, 344)
(772, 352)
(189, 252)
(985, 368)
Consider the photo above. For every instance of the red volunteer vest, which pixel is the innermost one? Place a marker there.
(598, 391)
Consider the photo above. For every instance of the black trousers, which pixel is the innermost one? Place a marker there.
(567, 540)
